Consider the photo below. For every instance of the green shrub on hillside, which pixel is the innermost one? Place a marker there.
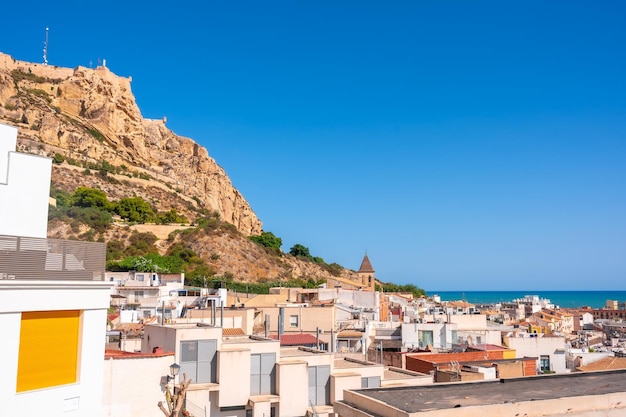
(135, 209)
(267, 239)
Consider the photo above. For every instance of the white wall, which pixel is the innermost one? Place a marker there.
(24, 189)
(537, 346)
(84, 396)
(291, 381)
(134, 386)
(442, 334)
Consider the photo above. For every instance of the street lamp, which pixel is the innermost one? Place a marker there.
(174, 368)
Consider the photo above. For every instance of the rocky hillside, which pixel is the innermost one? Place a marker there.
(89, 116)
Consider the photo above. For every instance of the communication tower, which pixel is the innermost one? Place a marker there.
(45, 49)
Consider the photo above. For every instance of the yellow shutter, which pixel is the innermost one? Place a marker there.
(48, 352)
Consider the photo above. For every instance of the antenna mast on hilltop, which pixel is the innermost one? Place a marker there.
(45, 49)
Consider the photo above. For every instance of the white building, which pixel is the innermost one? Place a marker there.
(53, 299)
(549, 350)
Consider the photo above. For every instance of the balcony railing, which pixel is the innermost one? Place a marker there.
(30, 258)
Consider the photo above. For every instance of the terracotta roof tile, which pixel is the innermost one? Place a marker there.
(233, 332)
(350, 333)
(300, 339)
(604, 364)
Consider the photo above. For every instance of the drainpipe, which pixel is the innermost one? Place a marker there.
(221, 314)
(281, 321)
(317, 337)
(213, 311)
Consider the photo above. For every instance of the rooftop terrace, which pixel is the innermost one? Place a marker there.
(459, 395)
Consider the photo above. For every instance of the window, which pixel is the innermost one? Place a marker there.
(262, 373)
(544, 363)
(48, 349)
(455, 337)
(139, 277)
(293, 321)
(139, 294)
(425, 338)
(147, 314)
(198, 360)
(370, 382)
(319, 385)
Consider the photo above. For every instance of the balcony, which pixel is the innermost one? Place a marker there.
(29, 258)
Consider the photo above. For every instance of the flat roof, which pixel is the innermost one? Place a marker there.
(344, 363)
(451, 395)
(300, 351)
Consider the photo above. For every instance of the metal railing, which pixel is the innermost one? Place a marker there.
(30, 258)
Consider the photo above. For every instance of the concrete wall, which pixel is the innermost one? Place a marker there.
(510, 369)
(309, 318)
(341, 382)
(450, 376)
(234, 377)
(291, 378)
(169, 337)
(134, 386)
(469, 321)
(238, 318)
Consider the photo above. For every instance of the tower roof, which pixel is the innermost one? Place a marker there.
(366, 265)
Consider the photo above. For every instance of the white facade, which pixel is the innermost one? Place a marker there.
(24, 192)
(549, 350)
(24, 189)
(84, 397)
(133, 385)
(423, 335)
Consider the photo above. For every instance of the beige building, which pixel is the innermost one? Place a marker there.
(234, 375)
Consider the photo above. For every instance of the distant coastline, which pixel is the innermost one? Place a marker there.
(563, 299)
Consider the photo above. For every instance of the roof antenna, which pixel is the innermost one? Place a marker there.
(45, 49)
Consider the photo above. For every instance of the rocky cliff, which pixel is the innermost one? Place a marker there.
(91, 115)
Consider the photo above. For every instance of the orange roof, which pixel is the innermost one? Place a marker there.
(301, 339)
(462, 304)
(233, 332)
(604, 364)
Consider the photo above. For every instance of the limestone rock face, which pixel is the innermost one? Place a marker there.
(91, 115)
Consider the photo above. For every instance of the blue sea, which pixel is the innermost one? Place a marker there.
(563, 299)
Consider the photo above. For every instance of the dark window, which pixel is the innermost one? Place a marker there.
(544, 363)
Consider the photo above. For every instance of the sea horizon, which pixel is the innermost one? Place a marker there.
(563, 299)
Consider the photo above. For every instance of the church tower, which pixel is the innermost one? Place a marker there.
(366, 274)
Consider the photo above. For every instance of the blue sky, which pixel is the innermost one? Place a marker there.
(462, 145)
